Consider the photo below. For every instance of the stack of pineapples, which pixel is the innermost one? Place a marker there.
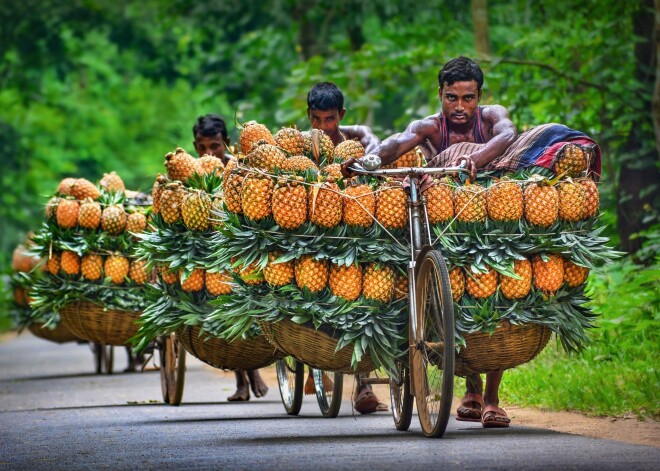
(87, 244)
(23, 264)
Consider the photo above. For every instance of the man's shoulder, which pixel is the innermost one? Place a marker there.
(494, 112)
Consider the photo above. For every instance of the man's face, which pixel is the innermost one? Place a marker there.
(210, 145)
(459, 101)
(327, 121)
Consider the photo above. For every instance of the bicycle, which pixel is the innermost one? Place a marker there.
(429, 375)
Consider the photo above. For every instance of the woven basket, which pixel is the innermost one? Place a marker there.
(315, 348)
(59, 334)
(250, 354)
(93, 322)
(509, 346)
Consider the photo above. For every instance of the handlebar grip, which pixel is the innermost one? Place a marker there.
(370, 162)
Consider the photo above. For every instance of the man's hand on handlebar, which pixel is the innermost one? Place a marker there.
(345, 167)
(469, 165)
(369, 162)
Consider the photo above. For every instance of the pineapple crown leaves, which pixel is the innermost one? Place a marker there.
(210, 183)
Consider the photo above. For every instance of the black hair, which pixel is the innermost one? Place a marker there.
(325, 96)
(460, 69)
(210, 125)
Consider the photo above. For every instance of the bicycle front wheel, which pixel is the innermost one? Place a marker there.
(329, 386)
(432, 352)
(172, 369)
(402, 400)
(290, 376)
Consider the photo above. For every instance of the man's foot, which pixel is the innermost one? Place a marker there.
(241, 394)
(366, 402)
(257, 384)
(494, 416)
(470, 408)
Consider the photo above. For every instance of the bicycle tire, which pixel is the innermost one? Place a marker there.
(329, 398)
(172, 369)
(401, 399)
(290, 376)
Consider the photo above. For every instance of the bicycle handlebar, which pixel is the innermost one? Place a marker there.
(407, 171)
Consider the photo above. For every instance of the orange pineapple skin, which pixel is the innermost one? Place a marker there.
(541, 205)
(517, 289)
(290, 205)
(218, 283)
(70, 263)
(346, 281)
(359, 205)
(311, 273)
(194, 282)
(91, 267)
(457, 281)
(67, 213)
(482, 285)
(117, 268)
(548, 276)
(378, 282)
(574, 275)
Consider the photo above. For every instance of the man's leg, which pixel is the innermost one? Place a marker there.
(364, 398)
(257, 384)
(242, 387)
(493, 415)
(472, 403)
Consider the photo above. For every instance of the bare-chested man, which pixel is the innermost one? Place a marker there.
(210, 138)
(460, 120)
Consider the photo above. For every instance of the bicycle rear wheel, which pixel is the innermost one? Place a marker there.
(290, 376)
(172, 368)
(402, 400)
(432, 352)
(329, 386)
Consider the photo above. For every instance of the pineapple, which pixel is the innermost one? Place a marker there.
(412, 158)
(482, 285)
(53, 264)
(157, 191)
(82, 189)
(70, 262)
(439, 202)
(113, 219)
(168, 277)
(290, 140)
(91, 267)
(136, 223)
(570, 160)
(180, 165)
(517, 289)
(290, 204)
(64, 187)
(251, 274)
(346, 281)
(319, 146)
(572, 198)
(591, 200)
(193, 282)
(112, 183)
(196, 210)
(378, 282)
(311, 273)
(137, 272)
(325, 204)
(392, 205)
(218, 283)
(217, 212)
(266, 156)
(209, 164)
(232, 187)
(171, 200)
(278, 274)
(67, 213)
(256, 196)
(298, 163)
(349, 149)
(332, 170)
(574, 275)
(541, 204)
(252, 132)
(401, 287)
(232, 163)
(470, 203)
(548, 276)
(116, 266)
(51, 208)
(89, 214)
(505, 201)
(359, 205)
(457, 281)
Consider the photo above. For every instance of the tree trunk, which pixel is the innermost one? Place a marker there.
(639, 174)
(480, 21)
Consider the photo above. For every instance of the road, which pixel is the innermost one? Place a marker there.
(56, 414)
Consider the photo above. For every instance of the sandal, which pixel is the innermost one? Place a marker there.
(494, 417)
(366, 402)
(466, 412)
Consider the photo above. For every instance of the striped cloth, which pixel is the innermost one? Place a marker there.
(535, 147)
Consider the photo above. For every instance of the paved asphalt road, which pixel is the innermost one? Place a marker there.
(56, 414)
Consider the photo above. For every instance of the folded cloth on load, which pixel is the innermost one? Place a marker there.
(536, 147)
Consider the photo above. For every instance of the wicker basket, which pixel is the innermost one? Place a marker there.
(59, 334)
(93, 322)
(509, 346)
(250, 354)
(315, 348)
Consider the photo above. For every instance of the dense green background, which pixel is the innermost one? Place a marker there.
(90, 86)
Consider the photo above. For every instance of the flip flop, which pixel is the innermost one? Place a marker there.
(494, 417)
(382, 407)
(366, 402)
(465, 412)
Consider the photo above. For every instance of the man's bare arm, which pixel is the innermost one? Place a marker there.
(504, 134)
(395, 146)
(364, 134)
